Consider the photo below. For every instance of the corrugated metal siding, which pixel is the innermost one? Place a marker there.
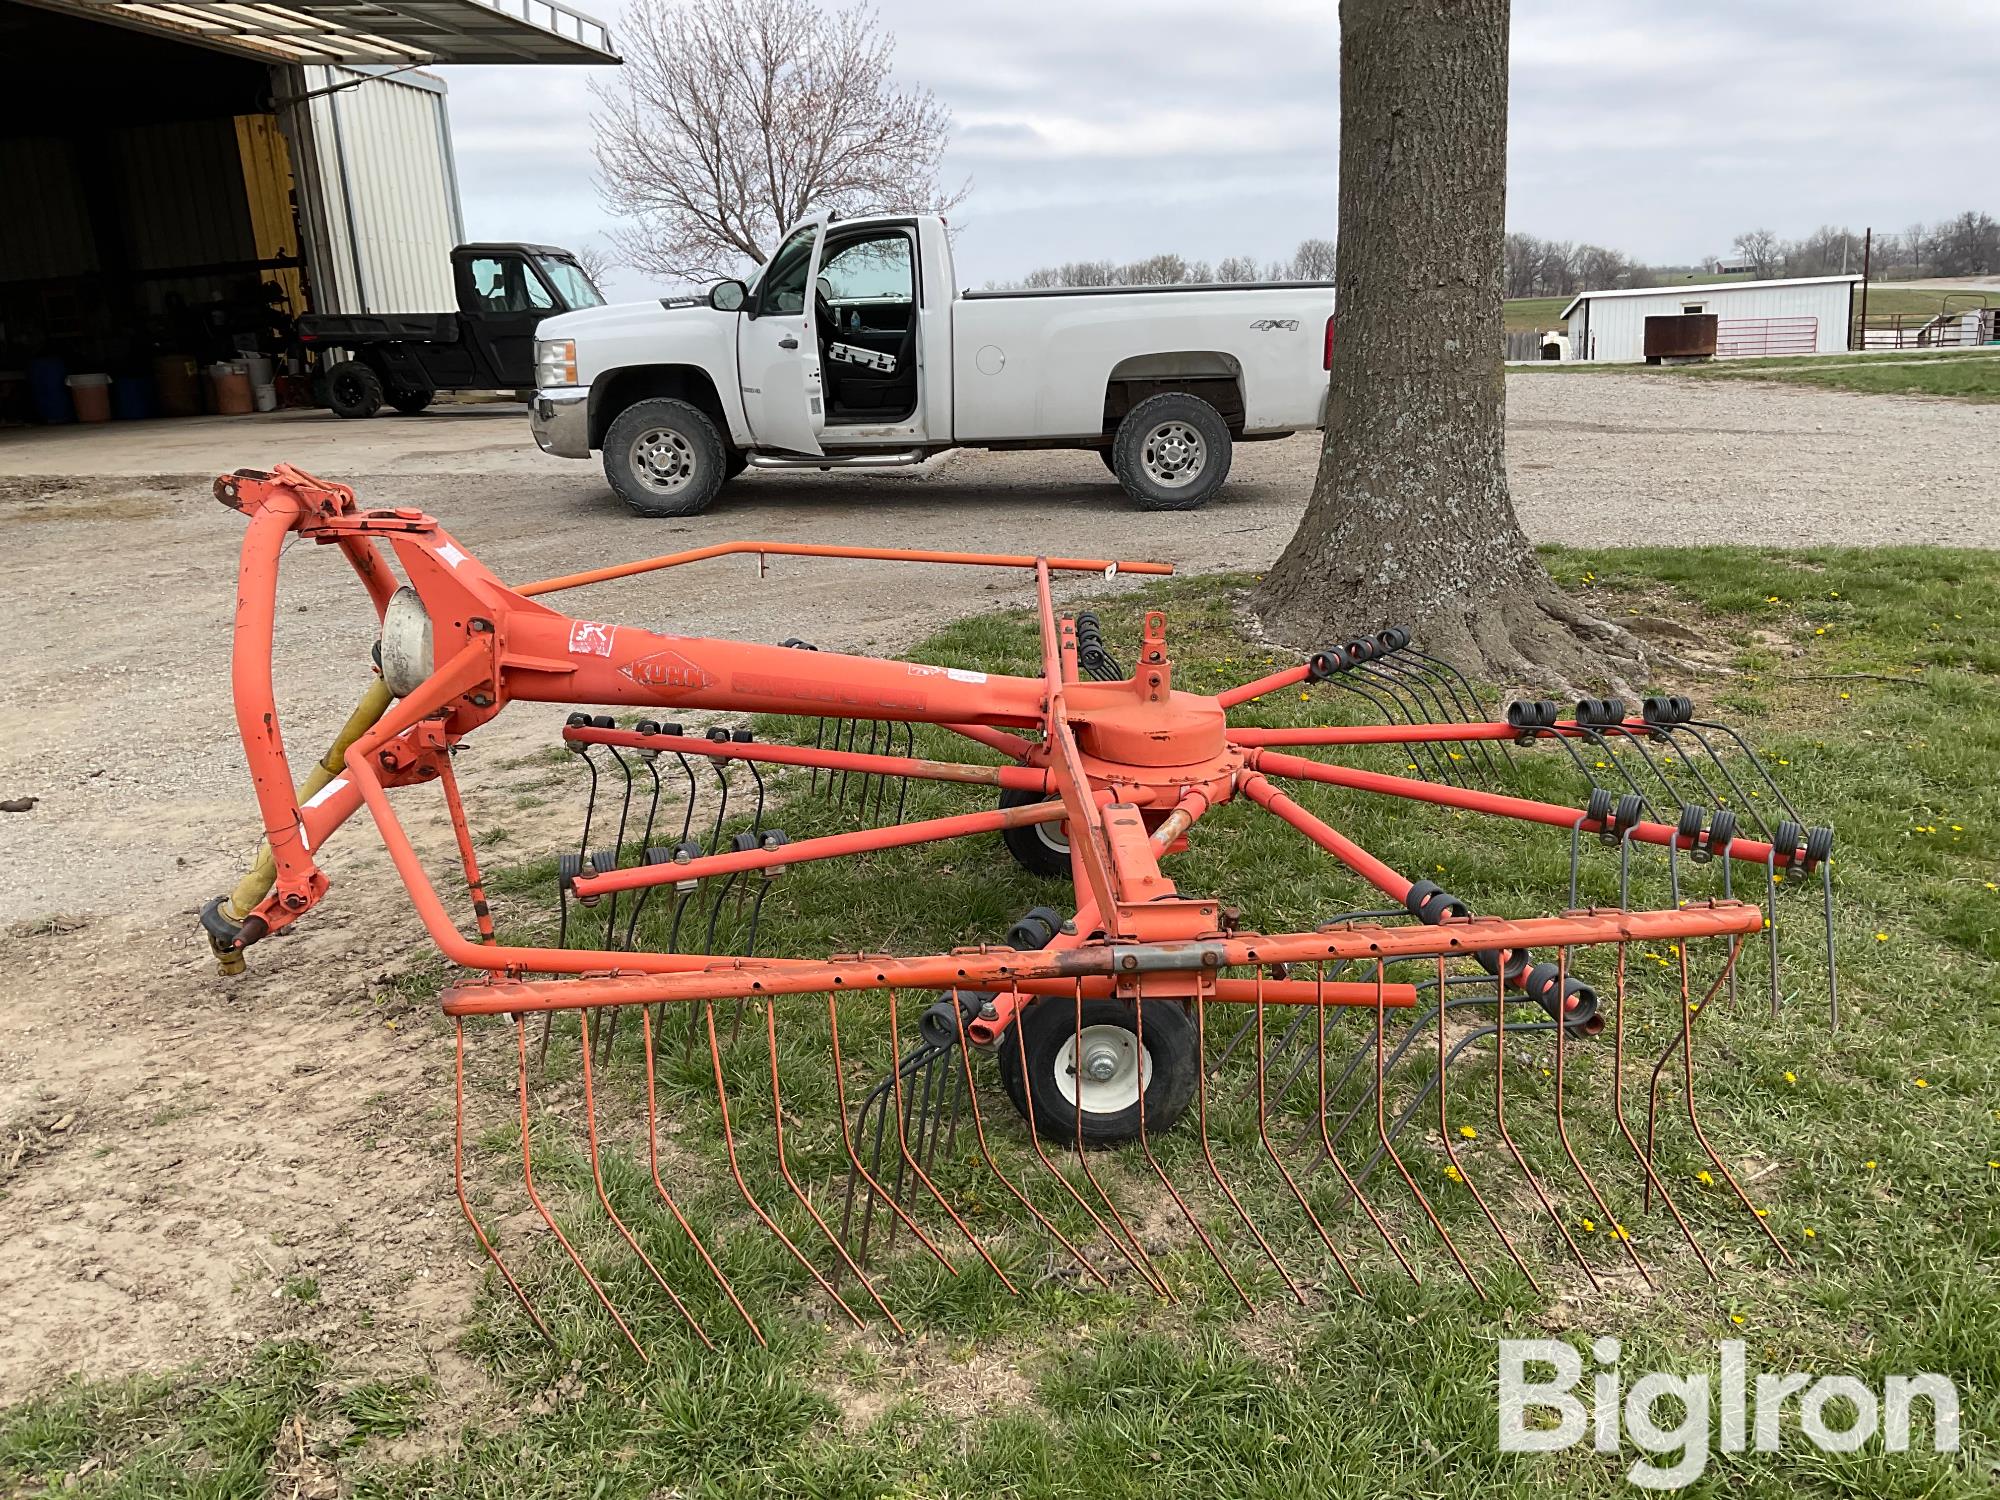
(46, 232)
(387, 195)
(1618, 324)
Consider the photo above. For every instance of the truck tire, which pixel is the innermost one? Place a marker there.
(1172, 452)
(736, 463)
(353, 389)
(1110, 458)
(409, 402)
(665, 458)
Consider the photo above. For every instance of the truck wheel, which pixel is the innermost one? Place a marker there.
(1172, 452)
(1110, 458)
(665, 458)
(410, 402)
(735, 464)
(353, 389)
(1092, 1090)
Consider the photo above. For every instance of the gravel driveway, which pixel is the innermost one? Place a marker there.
(220, 1138)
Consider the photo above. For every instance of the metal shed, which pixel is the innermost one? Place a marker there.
(234, 163)
(1803, 315)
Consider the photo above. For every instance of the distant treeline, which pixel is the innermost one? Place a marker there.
(1968, 245)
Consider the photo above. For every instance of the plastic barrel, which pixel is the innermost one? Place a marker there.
(47, 394)
(91, 394)
(131, 398)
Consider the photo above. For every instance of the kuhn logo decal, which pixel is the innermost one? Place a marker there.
(667, 670)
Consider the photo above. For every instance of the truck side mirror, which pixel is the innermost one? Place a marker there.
(728, 296)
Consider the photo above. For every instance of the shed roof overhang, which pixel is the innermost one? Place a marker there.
(392, 33)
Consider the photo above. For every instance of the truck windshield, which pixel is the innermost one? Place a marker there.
(570, 282)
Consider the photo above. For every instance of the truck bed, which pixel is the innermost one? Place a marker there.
(349, 330)
(995, 293)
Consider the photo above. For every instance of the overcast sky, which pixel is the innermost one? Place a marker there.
(1114, 128)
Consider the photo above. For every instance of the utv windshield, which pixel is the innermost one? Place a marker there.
(570, 282)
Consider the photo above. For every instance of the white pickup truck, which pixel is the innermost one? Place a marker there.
(849, 349)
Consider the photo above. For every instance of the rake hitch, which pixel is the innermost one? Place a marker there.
(1286, 1097)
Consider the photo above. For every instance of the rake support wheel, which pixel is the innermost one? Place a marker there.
(1083, 1071)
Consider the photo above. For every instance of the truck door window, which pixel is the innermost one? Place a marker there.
(505, 284)
(782, 288)
(863, 271)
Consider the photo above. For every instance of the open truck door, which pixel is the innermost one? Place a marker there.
(777, 347)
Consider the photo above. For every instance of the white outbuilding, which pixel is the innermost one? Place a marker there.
(1724, 319)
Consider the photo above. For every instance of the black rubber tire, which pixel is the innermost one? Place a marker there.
(701, 449)
(1048, 1024)
(735, 463)
(1128, 451)
(1039, 848)
(1110, 459)
(410, 402)
(353, 390)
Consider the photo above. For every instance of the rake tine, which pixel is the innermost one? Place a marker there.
(653, 1160)
(1264, 1135)
(1419, 688)
(979, 1131)
(1160, 1171)
(1638, 742)
(1397, 714)
(785, 1169)
(1771, 924)
(693, 791)
(1208, 1150)
(903, 782)
(925, 1178)
(1595, 738)
(1507, 1137)
(1424, 1088)
(1326, 1141)
(1144, 1268)
(1743, 800)
(1688, 1013)
(1832, 965)
(604, 1195)
(856, 1171)
(819, 743)
(1653, 1179)
(757, 814)
(1382, 1132)
(1451, 1151)
(464, 1202)
(1756, 764)
(721, 769)
(1575, 859)
(743, 1187)
(528, 1177)
(1618, 1228)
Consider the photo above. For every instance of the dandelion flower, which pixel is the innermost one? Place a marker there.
(1468, 1132)
(1763, 1213)
(1810, 1235)
(1704, 1178)
(1454, 1174)
(1881, 937)
(1923, 1083)
(1791, 1077)
(1868, 1166)
(1589, 1227)
(1736, 1317)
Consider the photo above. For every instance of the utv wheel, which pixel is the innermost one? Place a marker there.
(1039, 848)
(410, 402)
(1172, 452)
(353, 389)
(1088, 1077)
(665, 458)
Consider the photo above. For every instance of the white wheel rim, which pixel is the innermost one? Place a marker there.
(1054, 837)
(1111, 1072)
(1173, 455)
(663, 460)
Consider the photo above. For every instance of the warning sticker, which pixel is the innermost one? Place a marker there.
(958, 674)
(589, 639)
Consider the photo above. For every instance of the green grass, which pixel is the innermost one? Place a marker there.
(1874, 677)
(1534, 314)
(1970, 376)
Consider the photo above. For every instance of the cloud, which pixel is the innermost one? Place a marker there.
(1113, 128)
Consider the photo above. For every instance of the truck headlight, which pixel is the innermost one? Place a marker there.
(555, 362)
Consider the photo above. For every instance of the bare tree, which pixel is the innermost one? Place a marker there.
(1410, 521)
(1236, 268)
(1314, 260)
(1761, 248)
(596, 262)
(731, 119)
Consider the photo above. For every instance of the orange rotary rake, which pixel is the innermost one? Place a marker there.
(1332, 1073)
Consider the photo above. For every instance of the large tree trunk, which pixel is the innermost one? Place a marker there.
(1410, 521)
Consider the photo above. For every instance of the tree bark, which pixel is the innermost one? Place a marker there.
(1410, 521)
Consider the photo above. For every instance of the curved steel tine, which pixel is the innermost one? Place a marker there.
(1035, 1140)
(757, 814)
(1167, 1182)
(618, 840)
(1653, 1178)
(659, 1187)
(534, 1197)
(1444, 1062)
(979, 1130)
(1688, 1013)
(1832, 964)
(721, 769)
(1401, 713)
(1326, 1141)
(1507, 1137)
(819, 743)
(458, 1182)
(1744, 801)
(1638, 741)
(1208, 1150)
(1369, 1046)
(1430, 1083)
(785, 1170)
(1756, 764)
(743, 1187)
(583, 752)
(1771, 926)
(1420, 686)
(1264, 1135)
(604, 1193)
(903, 1142)
(1594, 736)
(1413, 752)
(903, 787)
(1575, 858)
(1382, 1132)
(1152, 1272)
(1432, 671)
(693, 792)
(1612, 1221)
